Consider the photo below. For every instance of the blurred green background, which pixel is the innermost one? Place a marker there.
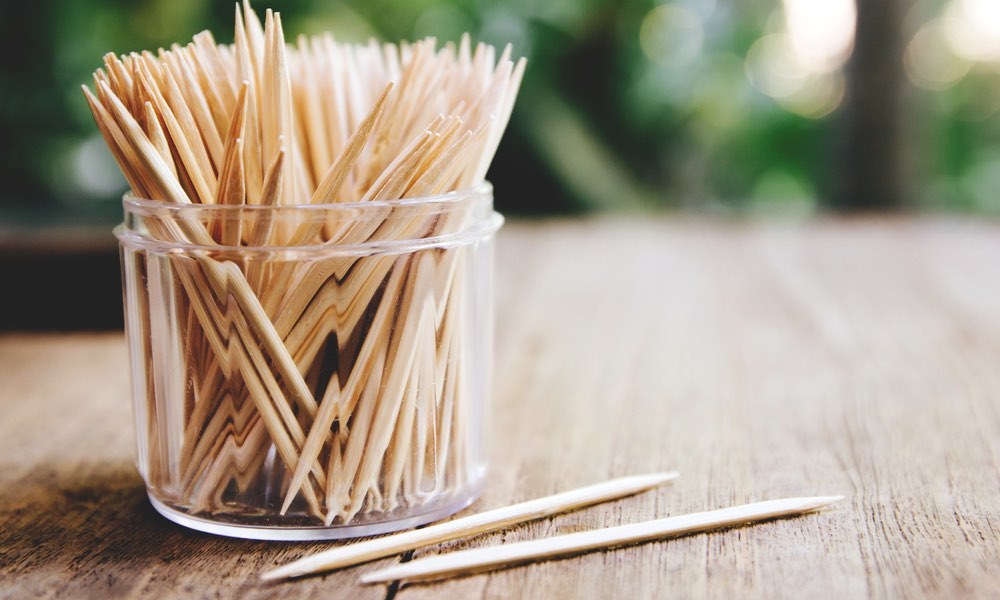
(760, 107)
(701, 104)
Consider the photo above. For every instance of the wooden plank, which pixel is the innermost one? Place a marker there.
(855, 357)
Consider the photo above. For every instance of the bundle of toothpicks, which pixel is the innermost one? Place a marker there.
(262, 123)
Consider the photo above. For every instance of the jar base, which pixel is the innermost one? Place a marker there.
(320, 532)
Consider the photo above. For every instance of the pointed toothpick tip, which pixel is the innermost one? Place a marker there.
(276, 574)
(649, 480)
(297, 568)
(821, 501)
(287, 503)
(666, 476)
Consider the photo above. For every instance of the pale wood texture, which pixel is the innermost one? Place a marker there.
(845, 357)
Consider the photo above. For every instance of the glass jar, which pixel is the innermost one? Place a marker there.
(310, 371)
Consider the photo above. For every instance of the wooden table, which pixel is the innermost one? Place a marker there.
(853, 357)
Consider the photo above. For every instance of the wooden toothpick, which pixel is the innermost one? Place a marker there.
(506, 555)
(468, 526)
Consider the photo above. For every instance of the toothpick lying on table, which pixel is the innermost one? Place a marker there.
(507, 555)
(356, 553)
(257, 123)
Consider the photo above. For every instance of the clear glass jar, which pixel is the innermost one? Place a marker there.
(312, 371)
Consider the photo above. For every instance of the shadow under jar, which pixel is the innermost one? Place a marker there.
(311, 371)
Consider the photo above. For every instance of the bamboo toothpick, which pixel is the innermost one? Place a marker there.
(492, 520)
(507, 555)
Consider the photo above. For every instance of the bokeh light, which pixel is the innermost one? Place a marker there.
(671, 35)
(799, 66)
(820, 32)
(774, 68)
(930, 62)
(972, 29)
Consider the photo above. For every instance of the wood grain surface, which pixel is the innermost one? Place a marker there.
(855, 357)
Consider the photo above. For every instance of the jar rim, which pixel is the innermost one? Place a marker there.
(484, 230)
(483, 189)
(474, 206)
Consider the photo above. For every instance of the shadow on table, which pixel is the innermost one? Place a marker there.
(95, 530)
